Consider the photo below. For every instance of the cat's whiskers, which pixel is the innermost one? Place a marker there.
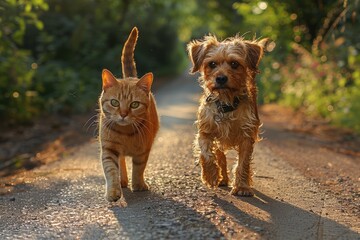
(141, 132)
(105, 128)
(91, 122)
(143, 125)
(108, 123)
(144, 128)
(146, 120)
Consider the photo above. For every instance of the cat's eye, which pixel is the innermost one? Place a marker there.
(114, 103)
(212, 64)
(135, 104)
(234, 64)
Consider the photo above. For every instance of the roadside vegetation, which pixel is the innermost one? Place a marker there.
(52, 52)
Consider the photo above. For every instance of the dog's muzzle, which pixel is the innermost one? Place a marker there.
(221, 80)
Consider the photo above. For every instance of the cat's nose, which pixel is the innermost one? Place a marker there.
(123, 114)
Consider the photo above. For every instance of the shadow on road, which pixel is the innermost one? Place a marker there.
(286, 221)
(63, 208)
(149, 214)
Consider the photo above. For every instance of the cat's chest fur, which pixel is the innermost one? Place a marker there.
(126, 142)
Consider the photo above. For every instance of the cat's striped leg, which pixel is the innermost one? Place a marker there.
(139, 164)
(109, 162)
(123, 172)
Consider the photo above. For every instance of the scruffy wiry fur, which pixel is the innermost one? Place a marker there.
(128, 124)
(228, 70)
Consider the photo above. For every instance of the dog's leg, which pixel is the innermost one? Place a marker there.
(243, 172)
(221, 158)
(210, 171)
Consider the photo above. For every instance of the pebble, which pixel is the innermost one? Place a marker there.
(258, 229)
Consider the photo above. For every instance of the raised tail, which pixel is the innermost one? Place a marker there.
(127, 57)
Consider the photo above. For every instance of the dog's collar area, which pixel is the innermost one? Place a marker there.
(223, 107)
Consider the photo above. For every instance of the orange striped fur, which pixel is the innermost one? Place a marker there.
(127, 57)
(128, 124)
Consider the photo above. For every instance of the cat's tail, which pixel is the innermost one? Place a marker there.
(127, 57)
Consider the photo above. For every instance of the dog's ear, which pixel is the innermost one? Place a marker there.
(196, 51)
(255, 52)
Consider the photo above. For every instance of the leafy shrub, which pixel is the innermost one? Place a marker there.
(52, 53)
(65, 89)
(18, 100)
(321, 88)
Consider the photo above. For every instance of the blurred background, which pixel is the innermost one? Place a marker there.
(52, 51)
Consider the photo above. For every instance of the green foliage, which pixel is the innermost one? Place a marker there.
(322, 89)
(268, 19)
(15, 80)
(17, 99)
(52, 52)
(64, 89)
(325, 81)
(315, 62)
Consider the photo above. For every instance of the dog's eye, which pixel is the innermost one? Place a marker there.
(234, 64)
(212, 65)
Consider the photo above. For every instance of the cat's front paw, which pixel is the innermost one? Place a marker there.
(138, 187)
(113, 194)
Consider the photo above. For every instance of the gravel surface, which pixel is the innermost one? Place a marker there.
(65, 199)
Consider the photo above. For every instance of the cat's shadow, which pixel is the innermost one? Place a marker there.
(168, 217)
(164, 216)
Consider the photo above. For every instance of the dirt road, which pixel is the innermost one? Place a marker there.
(64, 199)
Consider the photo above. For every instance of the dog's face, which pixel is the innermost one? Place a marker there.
(225, 66)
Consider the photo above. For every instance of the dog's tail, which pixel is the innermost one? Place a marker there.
(127, 57)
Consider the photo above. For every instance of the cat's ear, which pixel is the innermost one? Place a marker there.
(108, 79)
(145, 82)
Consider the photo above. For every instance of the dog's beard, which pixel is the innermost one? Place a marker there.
(225, 95)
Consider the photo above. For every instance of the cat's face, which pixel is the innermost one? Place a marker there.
(126, 101)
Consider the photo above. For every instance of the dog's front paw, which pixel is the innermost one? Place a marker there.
(224, 182)
(242, 191)
(138, 187)
(210, 174)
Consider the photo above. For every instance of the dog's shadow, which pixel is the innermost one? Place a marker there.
(281, 220)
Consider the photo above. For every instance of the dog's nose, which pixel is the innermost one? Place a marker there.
(222, 79)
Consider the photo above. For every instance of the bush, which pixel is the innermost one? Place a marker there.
(52, 54)
(18, 100)
(321, 88)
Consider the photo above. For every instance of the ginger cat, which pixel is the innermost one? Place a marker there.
(128, 123)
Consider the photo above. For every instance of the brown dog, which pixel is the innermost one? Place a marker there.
(227, 116)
